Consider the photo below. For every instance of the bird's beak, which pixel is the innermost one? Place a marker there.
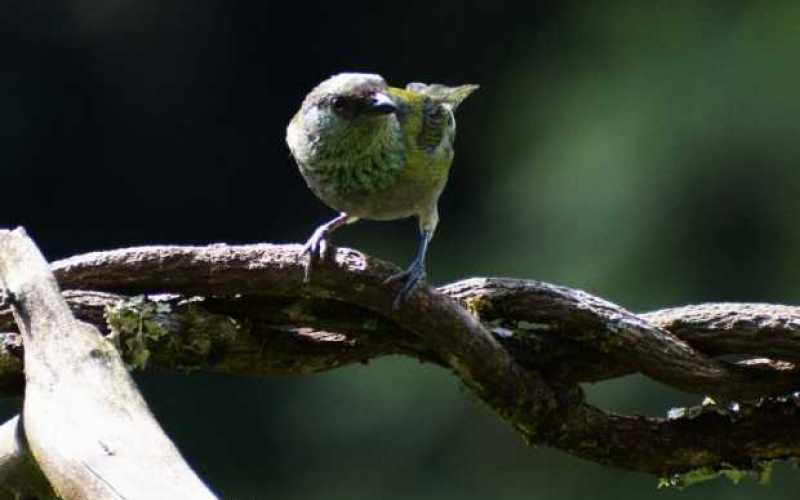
(381, 104)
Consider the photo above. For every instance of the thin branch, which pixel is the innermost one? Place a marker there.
(623, 338)
(717, 329)
(716, 437)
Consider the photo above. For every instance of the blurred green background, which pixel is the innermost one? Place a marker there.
(646, 152)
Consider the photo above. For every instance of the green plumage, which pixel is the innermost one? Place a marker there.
(376, 152)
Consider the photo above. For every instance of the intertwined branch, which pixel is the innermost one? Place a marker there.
(523, 347)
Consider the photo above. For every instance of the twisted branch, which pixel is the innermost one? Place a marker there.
(523, 347)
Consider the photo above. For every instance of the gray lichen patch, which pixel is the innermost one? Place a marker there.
(181, 334)
(135, 324)
(201, 331)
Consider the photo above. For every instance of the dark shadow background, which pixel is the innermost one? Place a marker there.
(646, 152)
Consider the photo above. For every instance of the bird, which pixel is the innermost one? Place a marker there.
(375, 152)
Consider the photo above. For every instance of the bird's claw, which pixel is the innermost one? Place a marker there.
(317, 244)
(317, 248)
(410, 278)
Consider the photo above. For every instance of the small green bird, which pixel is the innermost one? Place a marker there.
(376, 152)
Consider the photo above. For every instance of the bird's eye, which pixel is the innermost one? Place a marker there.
(338, 103)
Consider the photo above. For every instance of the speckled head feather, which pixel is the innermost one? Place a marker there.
(348, 84)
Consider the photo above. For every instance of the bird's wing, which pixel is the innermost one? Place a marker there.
(438, 104)
(436, 121)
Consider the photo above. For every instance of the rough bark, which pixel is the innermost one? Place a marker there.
(522, 346)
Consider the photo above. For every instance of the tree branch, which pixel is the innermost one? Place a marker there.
(88, 428)
(20, 477)
(522, 346)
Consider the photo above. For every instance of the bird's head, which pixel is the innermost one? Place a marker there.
(347, 108)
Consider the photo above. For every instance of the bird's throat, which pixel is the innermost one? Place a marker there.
(363, 159)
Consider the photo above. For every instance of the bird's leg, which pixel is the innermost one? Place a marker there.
(415, 273)
(317, 245)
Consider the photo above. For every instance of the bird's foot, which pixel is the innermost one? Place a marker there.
(317, 248)
(410, 278)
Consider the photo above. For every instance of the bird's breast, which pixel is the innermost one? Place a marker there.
(391, 178)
